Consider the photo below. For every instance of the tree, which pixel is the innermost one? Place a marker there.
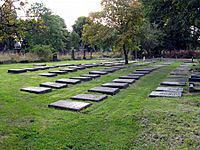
(10, 25)
(123, 20)
(50, 29)
(178, 19)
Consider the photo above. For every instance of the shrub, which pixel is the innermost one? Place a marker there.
(44, 52)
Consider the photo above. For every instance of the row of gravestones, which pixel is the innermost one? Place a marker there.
(63, 83)
(111, 88)
(173, 85)
(44, 67)
(194, 81)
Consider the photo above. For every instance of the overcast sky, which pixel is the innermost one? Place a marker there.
(70, 10)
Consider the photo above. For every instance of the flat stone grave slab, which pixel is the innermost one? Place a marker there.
(89, 97)
(195, 76)
(173, 83)
(116, 85)
(31, 69)
(129, 81)
(105, 90)
(69, 105)
(98, 72)
(55, 66)
(53, 85)
(170, 89)
(194, 79)
(141, 72)
(165, 94)
(78, 67)
(58, 72)
(176, 79)
(48, 74)
(43, 68)
(68, 81)
(37, 90)
(134, 74)
(146, 69)
(91, 75)
(130, 77)
(82, 78)
(15, 71)
(69, 69)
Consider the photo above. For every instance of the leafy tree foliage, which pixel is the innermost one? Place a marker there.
(178, 19)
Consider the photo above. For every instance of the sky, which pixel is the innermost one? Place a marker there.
(70, 10)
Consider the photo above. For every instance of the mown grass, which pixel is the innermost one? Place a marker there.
(128, 120)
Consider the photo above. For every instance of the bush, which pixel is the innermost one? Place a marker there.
(44, 52)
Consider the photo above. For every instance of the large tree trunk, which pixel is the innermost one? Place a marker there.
(125, 54)
(84, 55)
(73, 55)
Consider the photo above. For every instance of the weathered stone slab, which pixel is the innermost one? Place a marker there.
(134, 74)
(32, 69)
(194, 87)
(65, 65)
(55, 66)
(178, 73)
(195, 76)
(141, 72)
(15, 71)
(68, 81)
(69, 69)
(105, 90)
(91, 75)
(43, 68)
(165, 94)
(146, 69)
(48, 74)
(170, 89)
(53, 85)
(173, 83)
(129, 81)
(130, 77)
(194, 79)
(78, 67)
(89, 97)
(82, 78)
(58, 72)
(176, 79)
(116, 85)
(69, 105)
(37, 90)
(98, 72)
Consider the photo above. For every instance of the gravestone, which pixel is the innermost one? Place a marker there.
(53, 85)
(78, 67)
(116, 85)
(82, 78)
(89, 97)
(146, 69)
(43, 68)
(69, 105)
(68, 81)
(172, 89)
(15, 71)
(110, 70)
(48, 74)
(195, 76)
(37, 90)
(69, 69)
(98, 72)
(134, 74)
(130, 77)
(105, 90)
(91, 75)
(141, 72)
(194, 79)
(32, 69)
(165, 94)
(173, 83)
(58, 72)
(130, 81)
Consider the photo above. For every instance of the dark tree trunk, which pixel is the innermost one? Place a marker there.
(73, 55)
(125, 54)
(84, 55)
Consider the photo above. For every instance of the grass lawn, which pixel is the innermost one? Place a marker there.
(128, 120)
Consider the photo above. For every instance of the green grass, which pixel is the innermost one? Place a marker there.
(128, 120)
